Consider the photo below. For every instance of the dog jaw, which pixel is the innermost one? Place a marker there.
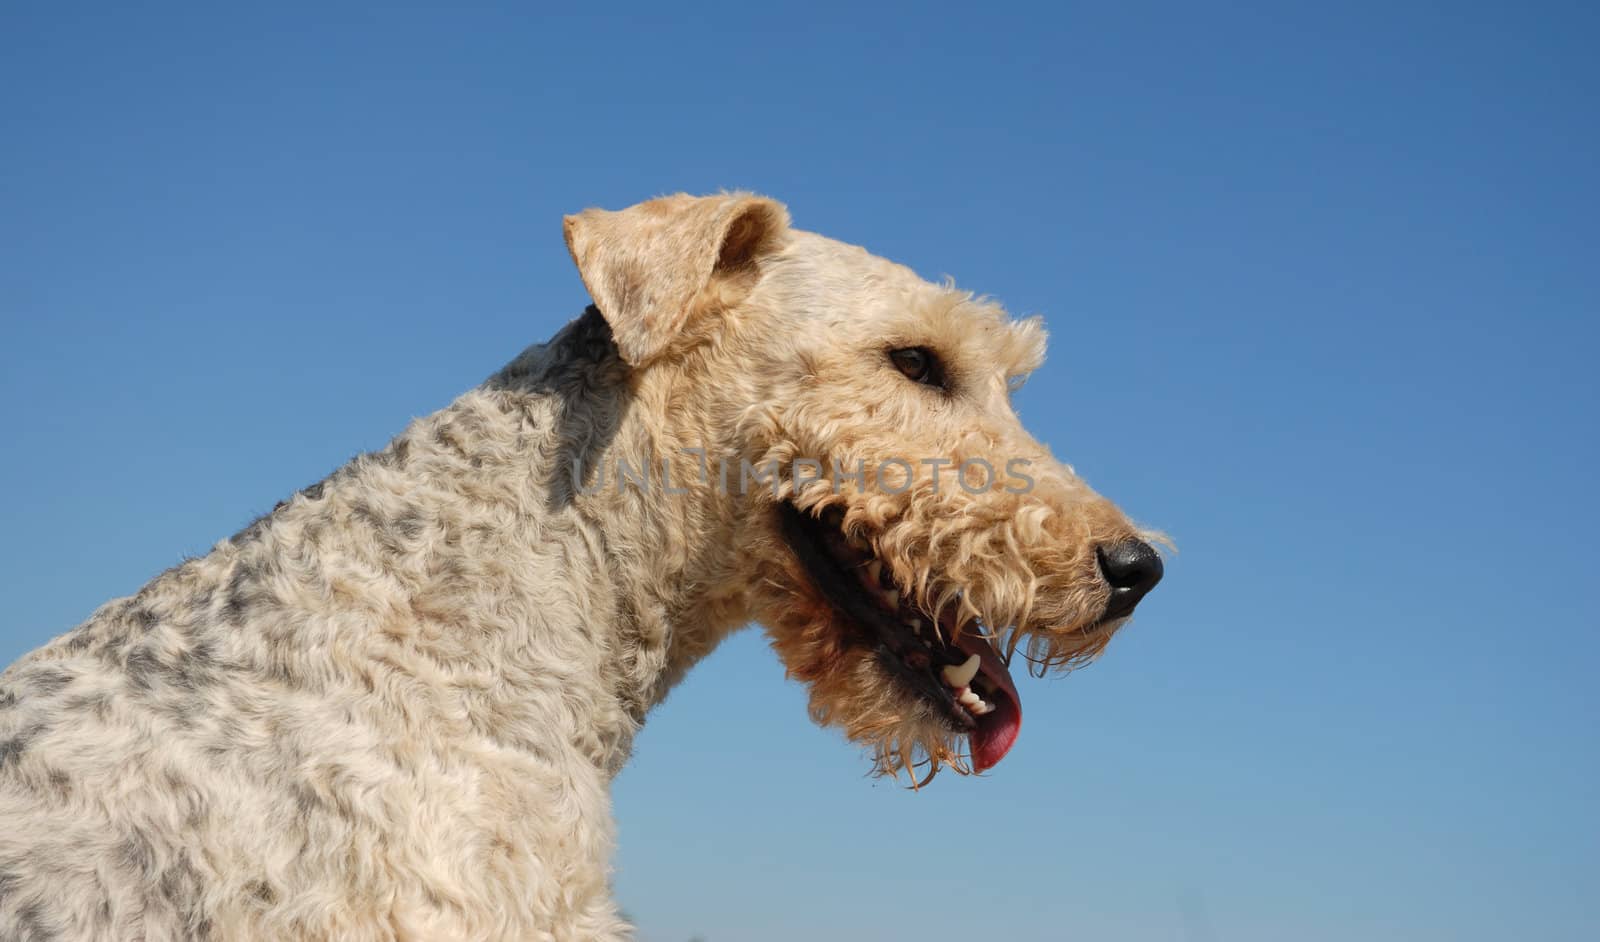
(961, 572)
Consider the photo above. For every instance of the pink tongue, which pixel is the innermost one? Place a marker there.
(997, 730)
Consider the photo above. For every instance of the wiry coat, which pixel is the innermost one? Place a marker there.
(392, 707)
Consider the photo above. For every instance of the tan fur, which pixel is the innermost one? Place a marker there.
(392, 708)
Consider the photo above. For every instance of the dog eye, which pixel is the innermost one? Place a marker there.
(918, 364)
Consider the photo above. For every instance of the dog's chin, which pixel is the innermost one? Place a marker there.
(949, 668)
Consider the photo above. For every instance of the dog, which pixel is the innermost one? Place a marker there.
(391, 708)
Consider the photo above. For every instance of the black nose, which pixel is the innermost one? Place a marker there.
(1133, 568)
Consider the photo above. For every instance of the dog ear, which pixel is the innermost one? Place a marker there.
(648, 267)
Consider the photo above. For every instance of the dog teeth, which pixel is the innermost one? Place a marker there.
(973, 703)
(958, 676)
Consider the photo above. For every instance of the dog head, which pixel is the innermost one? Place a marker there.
(899, 533)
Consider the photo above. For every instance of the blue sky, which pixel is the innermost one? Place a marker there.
(1323, 291)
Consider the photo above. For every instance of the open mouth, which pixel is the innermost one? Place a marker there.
(952, 665)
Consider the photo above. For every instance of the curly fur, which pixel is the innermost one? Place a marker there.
(391, 708)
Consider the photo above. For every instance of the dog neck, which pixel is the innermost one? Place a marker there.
(476, 560)
(618, 465)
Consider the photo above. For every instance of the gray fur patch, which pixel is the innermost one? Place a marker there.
(11, 750)
(34, 925)
(47, 680)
